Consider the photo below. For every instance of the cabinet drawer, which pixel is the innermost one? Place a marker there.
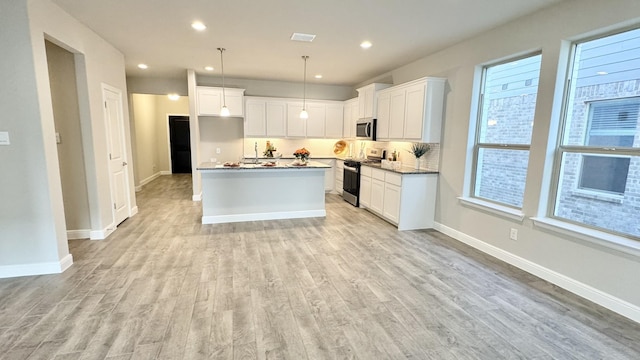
(377, 174)
(365, 171)
(391, 178)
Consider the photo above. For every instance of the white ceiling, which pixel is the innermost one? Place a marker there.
(256, 33)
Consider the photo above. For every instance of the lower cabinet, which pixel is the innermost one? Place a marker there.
(405, 200)
(338, 186)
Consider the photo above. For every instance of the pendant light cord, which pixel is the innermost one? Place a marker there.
(304, 86)
(224, 100)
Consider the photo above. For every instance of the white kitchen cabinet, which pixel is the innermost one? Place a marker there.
(296, 127)
(405, 200)
(414, 111)
(316, 120)
(365, 187)
(255, 121)
(209, 101)
(334, 121)
(350, 114)
(367, 100)
(382, 126)
(276, 118)
(339, 182)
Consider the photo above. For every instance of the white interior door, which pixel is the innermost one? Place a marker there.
(113, 113)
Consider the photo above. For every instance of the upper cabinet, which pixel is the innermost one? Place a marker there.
(411, 111)
(280, 117)
(209, 101)
(350, 117)
(367, 100)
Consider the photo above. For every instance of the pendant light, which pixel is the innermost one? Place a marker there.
(225, 110)
(304, 114)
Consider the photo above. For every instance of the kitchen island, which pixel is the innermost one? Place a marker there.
(251, 192)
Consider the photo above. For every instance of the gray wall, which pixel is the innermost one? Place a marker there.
(64, 98)
(591, 269)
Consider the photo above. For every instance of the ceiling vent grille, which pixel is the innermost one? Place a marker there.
(302, 37)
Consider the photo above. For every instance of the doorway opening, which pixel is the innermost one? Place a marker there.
(180, 144)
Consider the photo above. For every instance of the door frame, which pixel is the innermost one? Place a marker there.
(169, 138)
(106, 87)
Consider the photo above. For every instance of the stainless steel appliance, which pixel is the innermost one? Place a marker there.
(351, 175)
(366, 129)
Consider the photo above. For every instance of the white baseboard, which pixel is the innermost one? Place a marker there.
(165, 172)
(78, 234)
(149, 179)
(134, 210)
(54, 267)
(102, 234)
(218, 219)
(599, 297)
(138, 188)
(197, 197)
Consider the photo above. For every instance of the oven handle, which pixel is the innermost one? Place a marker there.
(349, 168)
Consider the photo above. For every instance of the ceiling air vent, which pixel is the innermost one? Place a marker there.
(302, 37)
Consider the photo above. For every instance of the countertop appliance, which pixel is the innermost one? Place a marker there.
(366, 129)
(351, 175)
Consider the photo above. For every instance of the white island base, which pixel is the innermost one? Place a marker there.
(250, 194)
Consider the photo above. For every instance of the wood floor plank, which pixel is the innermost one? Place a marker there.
(348, 286)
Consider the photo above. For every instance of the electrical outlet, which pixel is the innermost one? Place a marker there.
(217, 150)
(513, 235)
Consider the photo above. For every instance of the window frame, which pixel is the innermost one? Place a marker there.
(561, 149)
(478, 146)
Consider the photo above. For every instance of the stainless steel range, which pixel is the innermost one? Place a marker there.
(351, 178)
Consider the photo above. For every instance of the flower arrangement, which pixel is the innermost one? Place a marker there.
(302, 154)
(268, 152)
(419, 149)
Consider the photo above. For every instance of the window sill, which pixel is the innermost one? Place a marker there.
(502, 211)
(616, 199)
(615, 242)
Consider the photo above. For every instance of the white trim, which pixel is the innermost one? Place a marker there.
(197, 197)
(134, 210)
(102, 234)
(78, 234)
(149, 179)
(601, 238)
(54, 267)
(599, 297)
(219, 219)
(138, 188)
(495, 209)
(165, 172)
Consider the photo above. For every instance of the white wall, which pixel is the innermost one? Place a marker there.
(602, 274)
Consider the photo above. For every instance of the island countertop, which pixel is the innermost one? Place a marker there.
(282, 164)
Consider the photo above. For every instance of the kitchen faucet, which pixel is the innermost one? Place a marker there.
(255, 147)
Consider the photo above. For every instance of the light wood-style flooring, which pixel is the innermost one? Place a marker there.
(349, 286)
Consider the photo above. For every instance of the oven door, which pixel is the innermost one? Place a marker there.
(351, 185)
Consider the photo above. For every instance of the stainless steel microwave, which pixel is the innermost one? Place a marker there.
(366, 129)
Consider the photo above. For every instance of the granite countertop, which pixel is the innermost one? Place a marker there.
(280, 165)
(405, 170)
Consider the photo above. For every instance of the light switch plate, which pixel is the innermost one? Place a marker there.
(4, 138)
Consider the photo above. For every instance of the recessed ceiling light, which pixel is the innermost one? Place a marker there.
(142, 66)
(319, 76)
(208, 68)
(174, 97)
(197, 25)
(302, 37)
(602, 73)
(366, 44)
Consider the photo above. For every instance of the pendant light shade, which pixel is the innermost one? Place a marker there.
(304, 114)
(225, 110)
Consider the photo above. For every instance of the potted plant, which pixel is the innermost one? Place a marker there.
(419, 149)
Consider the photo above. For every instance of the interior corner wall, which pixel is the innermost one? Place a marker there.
(164, 108)
(592, 270)
(64, 98)
(31, 213)
(144, 115)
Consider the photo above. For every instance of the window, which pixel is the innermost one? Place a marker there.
(503, 134)
(598, 177)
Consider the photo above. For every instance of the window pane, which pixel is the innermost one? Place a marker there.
(603, 106)
(501, 175)
(604, 173)
(618, 213)
(509, 101)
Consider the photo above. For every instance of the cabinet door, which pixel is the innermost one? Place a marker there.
(391, 202)
(296, 127)
(209, 101)
(234, 101)
(354, 118)
(334, 121)
(346, 115)
(397, 114)
(276, 118)
(255, 121)
(339, 173)
(382, 126)
(316, 120)
(365, 191)
(377, 196)
(414, 117)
